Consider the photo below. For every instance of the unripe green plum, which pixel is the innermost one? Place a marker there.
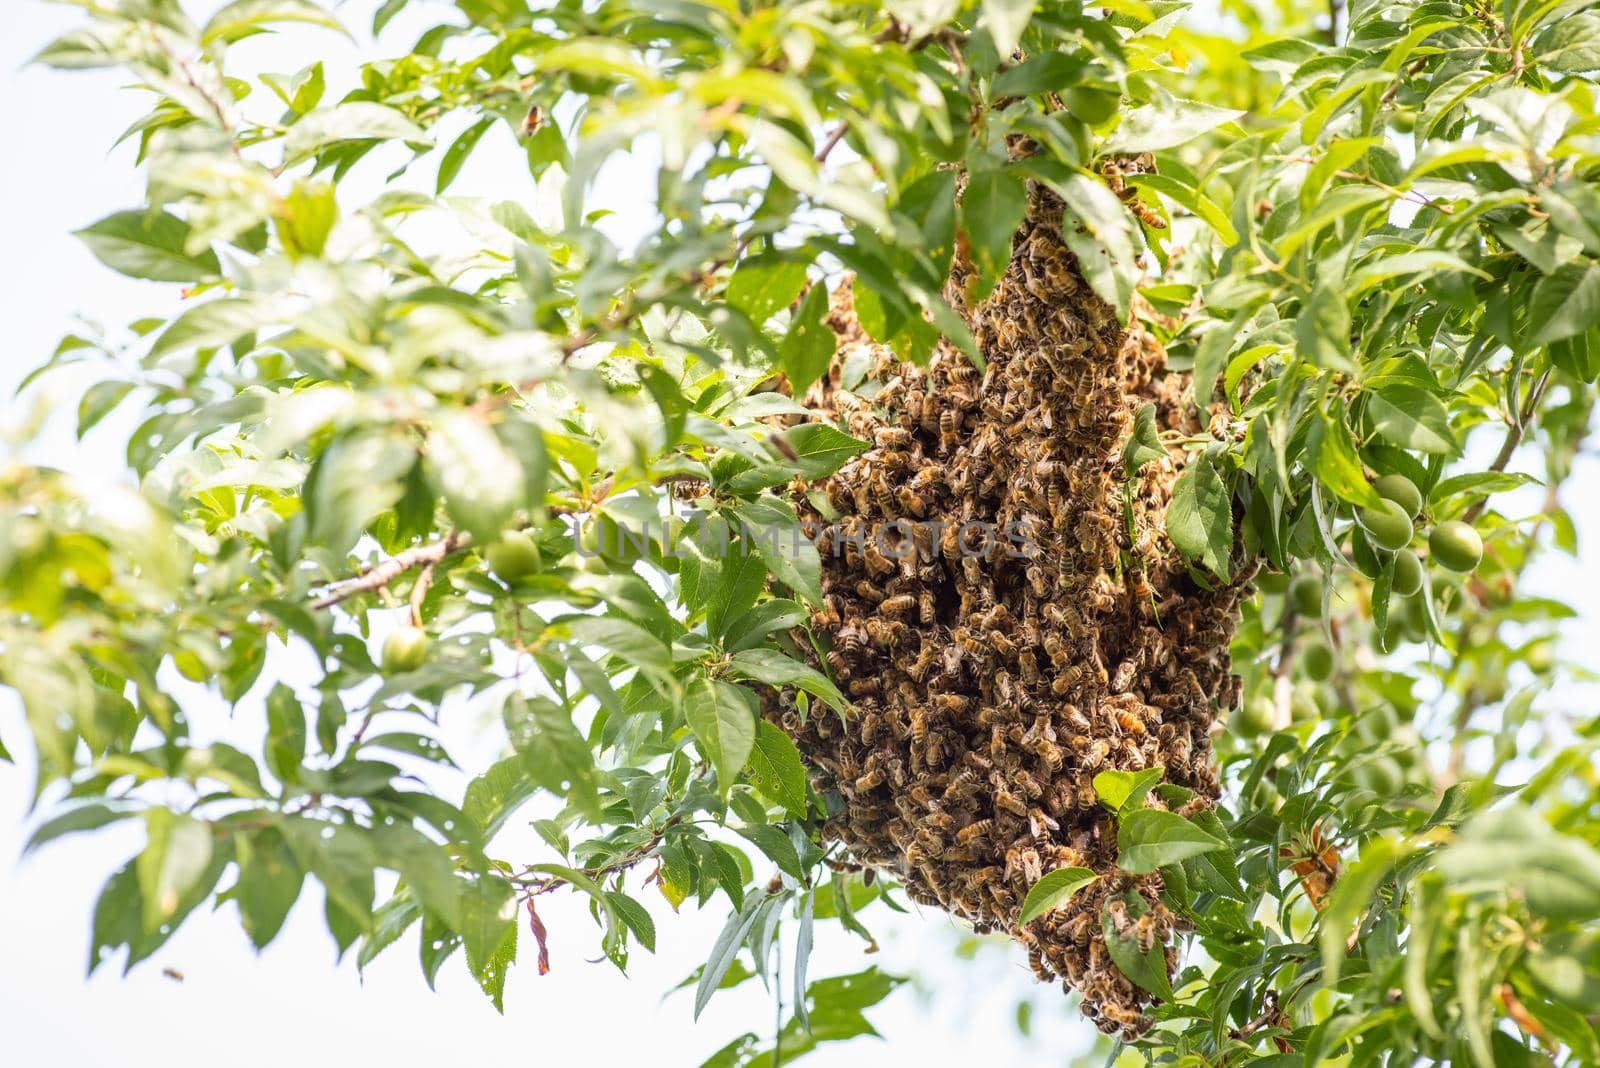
(1306, 705)
(1272, 582)
(1318, 660)
(1382, 775)
(1305, 593)
(514, 556)
(1407, 573)
(405, 649)
(1388, 526)
(1540, 657)
(1254, 718)
(1402, 491)
(1456, 546)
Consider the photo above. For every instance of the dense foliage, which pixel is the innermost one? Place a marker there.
(411, 434)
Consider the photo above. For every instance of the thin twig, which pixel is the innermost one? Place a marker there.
(1514, 434)
(398, 564)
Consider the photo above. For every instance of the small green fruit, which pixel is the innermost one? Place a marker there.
(1388, 526)
(1256, 717)
(1540, 658)
(514, 556)
(1306, 705)
(1455, 545)
(1413, 616)
(405, 649)
(1272, 582)
(1407, 573)
(1305, 593)
(1402, 491)
(1318, 661)
(1382, 775)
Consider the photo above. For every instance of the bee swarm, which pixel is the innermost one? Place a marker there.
(991, 687)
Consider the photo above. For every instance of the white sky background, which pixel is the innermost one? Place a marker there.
(291, 1002)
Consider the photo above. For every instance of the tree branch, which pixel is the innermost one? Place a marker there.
(1514, 433)
(397, 565)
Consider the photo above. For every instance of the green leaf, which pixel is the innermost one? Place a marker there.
(1565, 303)
(1412, 418)
(488, 927)
(636, 917)
(770, 527)
(1571, 44)
(1144, 443)
(628, 641)
(1005, 20)
(820, 449)
(752, 628)
(725, 951)
(1150, 838)
(553, 751)
(1119, 790)
(723, 718)
(764, 285)
(774, 768)
(1322, 329)
(1102, 237)
(269, 883)
(481, 480)
(1039, 74)
(358, 121)
(246, 17)
(1334, 459)
(1146, 970)
(177, 856)
(991, 210)
(809, 345)
(1200, 515)
(777, 669)
(1167, 124)
(1054, 889)
(455, 157)
(85, 817)
(215, 322)
(151, 245)
(776, 846)
(1349, 901)
(286, 734)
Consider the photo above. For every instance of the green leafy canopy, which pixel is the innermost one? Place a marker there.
(551, 449)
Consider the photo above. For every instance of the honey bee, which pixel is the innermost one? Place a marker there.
(919, 726)
(1096, 753)
(925, 608)
(1129, 721)
(898, 605)
(1066, 679)
(973, 831)
(871, 780)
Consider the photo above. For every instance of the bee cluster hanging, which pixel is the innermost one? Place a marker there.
(1008, 621)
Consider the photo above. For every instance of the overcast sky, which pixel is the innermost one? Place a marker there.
(291, 1001)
